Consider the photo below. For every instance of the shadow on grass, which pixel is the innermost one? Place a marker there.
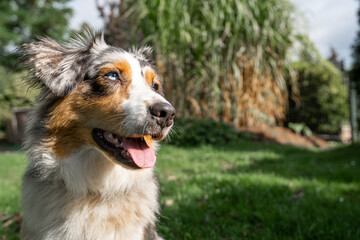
(340, 164)
(8, 147)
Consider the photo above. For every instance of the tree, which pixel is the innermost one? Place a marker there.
(354, 76)
(334, 59)
(323, 105)
(23, 20)
(321, 97)
(354, 73)
(118, 20)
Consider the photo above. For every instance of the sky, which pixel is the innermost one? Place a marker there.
(329, 23)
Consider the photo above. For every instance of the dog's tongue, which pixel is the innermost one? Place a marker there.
(142, 155)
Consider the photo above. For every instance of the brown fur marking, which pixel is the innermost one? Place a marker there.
(122, 66)
(149, 77)
(73, 118)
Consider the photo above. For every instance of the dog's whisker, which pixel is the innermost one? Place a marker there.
(120, 115)
(144, 128)
(119, 127)
(173, 132)
(122, 124)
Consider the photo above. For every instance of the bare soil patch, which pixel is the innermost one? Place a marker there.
(284, 136)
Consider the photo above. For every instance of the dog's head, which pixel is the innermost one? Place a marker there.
(102, 96)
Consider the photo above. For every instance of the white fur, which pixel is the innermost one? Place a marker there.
(87, 170)
(141, 97)
(85, 193)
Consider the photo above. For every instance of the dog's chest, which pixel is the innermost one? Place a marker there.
(94, 218)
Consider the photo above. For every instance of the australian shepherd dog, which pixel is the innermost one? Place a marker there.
(92, 140)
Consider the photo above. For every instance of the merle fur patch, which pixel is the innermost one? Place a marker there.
(60, 67)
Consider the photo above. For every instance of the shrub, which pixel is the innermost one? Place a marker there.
(323, 104)
(202, 132)
(300, 128)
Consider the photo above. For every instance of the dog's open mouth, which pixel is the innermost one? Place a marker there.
(134, 152)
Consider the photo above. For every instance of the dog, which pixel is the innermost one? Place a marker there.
(92, 140)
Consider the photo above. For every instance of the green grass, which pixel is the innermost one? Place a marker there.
(245, 190)
(259, 191)
(12, 167)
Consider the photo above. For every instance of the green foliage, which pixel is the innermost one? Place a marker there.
(22, 21)
(193, 132)
(323, 105)
(300, 128)
(14, 93)
(215, 55)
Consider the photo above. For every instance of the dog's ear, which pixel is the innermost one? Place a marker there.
(59, 67)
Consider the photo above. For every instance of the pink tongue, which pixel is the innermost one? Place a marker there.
(140, 152)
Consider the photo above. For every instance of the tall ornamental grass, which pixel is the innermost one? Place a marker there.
(222, 59)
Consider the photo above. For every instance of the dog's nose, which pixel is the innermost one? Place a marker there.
(164, 114)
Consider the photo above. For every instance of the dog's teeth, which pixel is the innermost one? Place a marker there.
(116, 141)
(124, 153)
(109, 135)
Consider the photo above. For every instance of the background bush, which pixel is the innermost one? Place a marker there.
(191, 133)
(323, 104)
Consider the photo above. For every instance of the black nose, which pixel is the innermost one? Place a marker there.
(164, 114)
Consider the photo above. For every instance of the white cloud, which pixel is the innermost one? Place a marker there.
(332, 23)
(85, 11)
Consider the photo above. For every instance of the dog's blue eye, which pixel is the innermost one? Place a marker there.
(155, 87)
(113, 76)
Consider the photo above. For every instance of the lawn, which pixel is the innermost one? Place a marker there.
(12, 167)
(244, 190)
